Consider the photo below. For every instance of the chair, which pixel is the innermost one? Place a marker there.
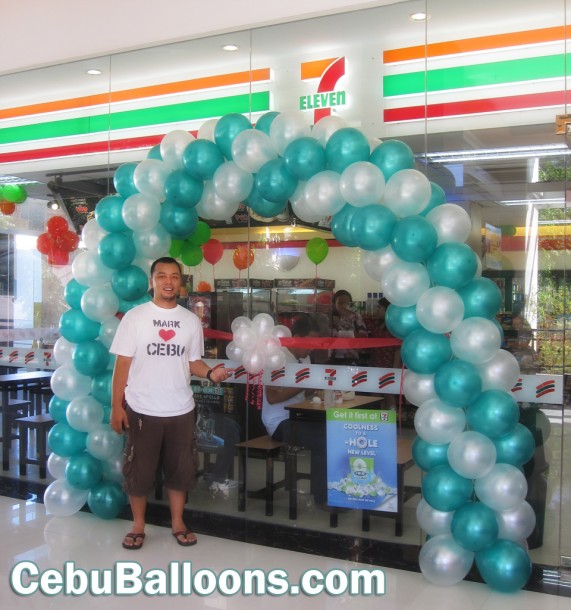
(42, 425)
(11, 411)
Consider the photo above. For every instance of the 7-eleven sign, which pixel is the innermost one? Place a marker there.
(328, 71)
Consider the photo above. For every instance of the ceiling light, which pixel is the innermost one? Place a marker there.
(94, 72)
(230, 47)
(482, 154)
(419, 16)
(53, 205)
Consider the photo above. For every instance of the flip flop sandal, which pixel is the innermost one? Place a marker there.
(184, 534)
(136, 545)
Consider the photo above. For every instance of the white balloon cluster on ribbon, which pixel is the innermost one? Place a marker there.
(256, 343)
(469, 442)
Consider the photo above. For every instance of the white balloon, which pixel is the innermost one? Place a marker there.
(280, 331)
(231, 183)
(407, 192)
(438, 423)
(263, 324)
(63, 500)
(418, 389)
(286, 127)
(452, 223)
(377, 261)
(471, 454)
(107, 331)
(88, 269)
(322, 195)
(213, 207)
(56, 465)
(152, 244)
(403, 283)
(362, 184)
(503, 488)
(501, 372)
(326, 127)
(104, 443)
(141, 212)
(517, 523)
(239, 322)
(433, 522)
(99, 303)
(206, 130)
(149, 178)
(476, 340)
(63, 350)
(443, 561)
(440, 309)
(245, 338)
(234, 352)
(172, 147)
(299, 206)
(92, 234)
(254, 361)
(374, 142)
(251, 149)
(67, 383)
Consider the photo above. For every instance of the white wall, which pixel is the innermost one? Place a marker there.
(38, 33)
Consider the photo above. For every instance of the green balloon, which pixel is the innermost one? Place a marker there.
(176, 247)
(191, 255)
(317, 250)
(14, 193)
(201, 234)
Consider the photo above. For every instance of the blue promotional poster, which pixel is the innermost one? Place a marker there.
(362, 459)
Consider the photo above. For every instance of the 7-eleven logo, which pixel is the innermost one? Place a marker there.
(328, 71)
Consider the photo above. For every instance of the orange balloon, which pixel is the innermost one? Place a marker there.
(204, 287)
(7, 207)
(243, 257)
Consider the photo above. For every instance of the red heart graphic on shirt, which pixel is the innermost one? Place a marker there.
(166, 335)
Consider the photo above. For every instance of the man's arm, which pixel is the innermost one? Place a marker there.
(119, 383)
(199, 368)
(275, 394)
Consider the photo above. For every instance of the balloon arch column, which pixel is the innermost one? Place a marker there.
(469, 443)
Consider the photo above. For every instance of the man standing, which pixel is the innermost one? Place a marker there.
(158, 346)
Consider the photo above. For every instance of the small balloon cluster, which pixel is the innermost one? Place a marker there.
(256, 343)
(11, 195)
(58, 241)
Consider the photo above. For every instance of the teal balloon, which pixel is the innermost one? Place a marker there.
(346, 146)
(83, 471)
(424, 352)
(262, 206)
(57, 408)
(182, 189)
(494, 413)
(201, 158)
(452, 264)
(101, 387)
(179, 222)
(457, 383)
(65, 440)
(372, 227)
(341, 226)
(437, 197)
(76, 327)
(90, 358)
(516, 447)
(108, 213)
(123, 180)
(117, 250)
(73, 293)
(505, 566)
(391, 156)
(125, 306)
(130, 283)
(401, 321)
(305, 157)
(414, 239)
(274, 182)
(446, 490)
(481, 297)
(427, 456)
(107, 499)
(474, 526)
(227, 128)
(155, 153)
(264, 122)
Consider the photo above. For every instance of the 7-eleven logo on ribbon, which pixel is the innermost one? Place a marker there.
(328, 71)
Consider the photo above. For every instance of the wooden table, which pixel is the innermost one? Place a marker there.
(8, 384)
(310, 411)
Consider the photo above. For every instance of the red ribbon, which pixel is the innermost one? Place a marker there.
(318, 342)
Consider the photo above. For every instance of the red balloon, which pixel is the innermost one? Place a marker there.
(7, 207)
(67, 242)
(243, 257)
(58, 257)
(213, 251)
(204, 287)
(45, 244)
(57, 225)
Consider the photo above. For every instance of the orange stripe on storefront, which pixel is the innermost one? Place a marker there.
(195, 84)
(315, 69)
(480, 43)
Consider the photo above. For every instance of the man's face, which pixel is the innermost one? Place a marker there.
(303, 352)
(166, 282)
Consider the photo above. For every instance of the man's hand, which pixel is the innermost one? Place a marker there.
(119, 420)
(220, 374)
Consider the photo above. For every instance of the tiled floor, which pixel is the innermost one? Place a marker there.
(28, 535)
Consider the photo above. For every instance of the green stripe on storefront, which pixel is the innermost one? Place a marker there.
(188, 111)
(480, 75)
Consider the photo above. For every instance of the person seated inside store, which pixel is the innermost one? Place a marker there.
(307, 434)
(346, 323)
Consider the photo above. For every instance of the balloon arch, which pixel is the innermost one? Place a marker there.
(469, 445)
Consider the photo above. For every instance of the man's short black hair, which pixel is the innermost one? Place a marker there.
(168, 260)
(304, 325)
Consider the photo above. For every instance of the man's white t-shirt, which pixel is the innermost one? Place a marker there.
(161, 343)
(274, 414)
